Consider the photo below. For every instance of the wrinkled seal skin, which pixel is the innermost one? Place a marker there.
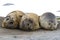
(48, 21)
(12, 20)
(29, 22)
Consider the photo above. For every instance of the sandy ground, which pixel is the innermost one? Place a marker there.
(15, 34)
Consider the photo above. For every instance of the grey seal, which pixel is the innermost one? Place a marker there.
(48, 21)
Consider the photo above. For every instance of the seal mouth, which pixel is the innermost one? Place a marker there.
(10, 26)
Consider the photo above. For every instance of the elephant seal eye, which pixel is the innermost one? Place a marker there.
(7, 18)
(30, 21)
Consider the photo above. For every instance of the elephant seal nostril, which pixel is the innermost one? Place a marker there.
(11, 23)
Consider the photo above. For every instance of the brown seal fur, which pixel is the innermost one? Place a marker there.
(12, 19)
(29, 22)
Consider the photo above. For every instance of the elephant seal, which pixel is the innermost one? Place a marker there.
(48, 21)
(12, 20)
(29, 22)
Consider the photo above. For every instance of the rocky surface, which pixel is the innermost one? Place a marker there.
(1, 19)
(15, 34)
